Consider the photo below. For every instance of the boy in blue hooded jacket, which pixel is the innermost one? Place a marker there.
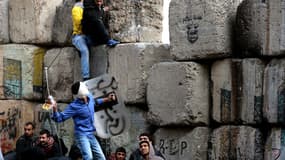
(82, 111)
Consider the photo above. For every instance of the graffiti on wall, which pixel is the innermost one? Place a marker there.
(281, 104)
(225, 105)
(258, 145)
(9, 128)
(258, 103)
(12, 79)
(192, 27)
(172, 146)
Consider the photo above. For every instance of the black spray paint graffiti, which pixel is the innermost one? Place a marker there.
(114, 123)
(110, 117)
(281, 105)
(258, 103)
(192, 27)
(279, 153)
(225, 105)
(259, 145)
(9, 122)
(172, 146)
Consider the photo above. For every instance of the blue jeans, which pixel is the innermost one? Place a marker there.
(82, 43)
(89, 147)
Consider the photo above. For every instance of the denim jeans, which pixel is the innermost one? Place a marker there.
(89, 147)
(82, 43)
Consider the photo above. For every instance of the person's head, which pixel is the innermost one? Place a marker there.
(99, 2)
(44, 136)
(29, 129)
(144, 148)
(145, 137)
(79, 89)
(120, 153)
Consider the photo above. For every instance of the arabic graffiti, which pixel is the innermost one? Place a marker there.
(12, 79)
(9, 128)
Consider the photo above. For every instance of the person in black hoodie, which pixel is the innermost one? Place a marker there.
(93, 23)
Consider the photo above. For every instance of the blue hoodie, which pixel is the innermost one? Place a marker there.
(82, 114)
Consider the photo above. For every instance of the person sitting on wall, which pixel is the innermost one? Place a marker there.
(93, 23)
(94, 32)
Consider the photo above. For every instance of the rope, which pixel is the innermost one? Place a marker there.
(52, 125)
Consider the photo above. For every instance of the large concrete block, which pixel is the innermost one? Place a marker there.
(62, 26)
(130, 64)
(183, 144)
(13, 115)
(129, 139)
(61, 68)
(31, 21)
(178, 94)
(22, 71)
(136, 21)
(4, 29)
(237, 91)
(275, 145)
(99, 60)
(261, 27)
(274, 91)
(236, 142)
(64, 68)
(201, 28)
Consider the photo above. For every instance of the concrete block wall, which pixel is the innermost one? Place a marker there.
(216, 92)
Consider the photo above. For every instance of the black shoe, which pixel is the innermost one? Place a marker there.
(86, 79)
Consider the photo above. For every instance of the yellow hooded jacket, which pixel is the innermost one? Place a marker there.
(77, 14)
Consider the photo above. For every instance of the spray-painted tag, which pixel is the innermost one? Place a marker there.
(111, 119)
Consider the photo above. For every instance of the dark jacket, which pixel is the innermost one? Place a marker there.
(23, 144)
(93, 22)
(51, 149)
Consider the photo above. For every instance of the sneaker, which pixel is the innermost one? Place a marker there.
(112, 43)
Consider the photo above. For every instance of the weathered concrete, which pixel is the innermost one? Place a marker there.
(136, 21)
(4, 29)
(22, 71)
(261, 27)
(274, 91)
(129, 139)
(14, 114)
(64, 68)
(237, 91)
(178, 94)
(275, 146)
(236, 142)
(201, 29)
(31, 21)
(99, 60)
(62, 25)
(183, 144)
(130, 64)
